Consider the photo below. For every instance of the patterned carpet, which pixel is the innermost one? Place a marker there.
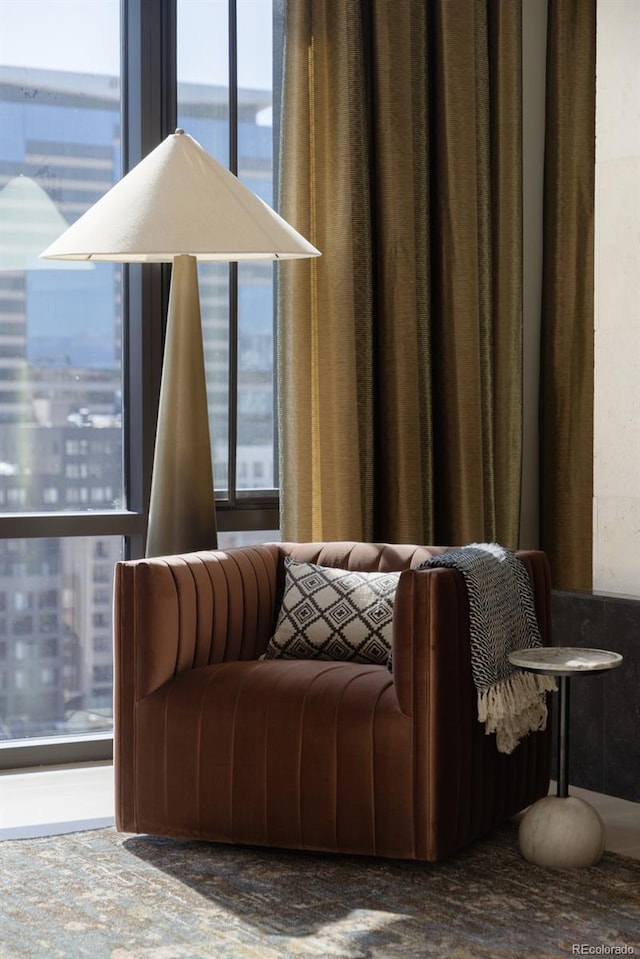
(103, 895)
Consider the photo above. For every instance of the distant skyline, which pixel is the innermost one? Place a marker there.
(57, 34)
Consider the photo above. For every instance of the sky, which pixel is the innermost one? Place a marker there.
(83, 36)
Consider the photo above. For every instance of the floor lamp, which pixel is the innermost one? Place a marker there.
(179, 205)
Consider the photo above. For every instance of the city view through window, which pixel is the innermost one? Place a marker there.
(63, 409)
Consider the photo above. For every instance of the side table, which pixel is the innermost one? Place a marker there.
(563, 831)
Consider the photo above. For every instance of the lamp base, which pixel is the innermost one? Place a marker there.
(182, 515)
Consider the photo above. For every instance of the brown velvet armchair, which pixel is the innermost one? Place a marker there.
(212, 743)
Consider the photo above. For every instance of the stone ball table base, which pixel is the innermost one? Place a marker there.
(562, 833)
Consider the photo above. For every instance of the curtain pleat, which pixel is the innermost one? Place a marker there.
(325, 339)
(403, 454)
(567, 376)
(400, 348)
(505, 30)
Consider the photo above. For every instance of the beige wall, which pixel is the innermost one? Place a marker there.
(616, 503)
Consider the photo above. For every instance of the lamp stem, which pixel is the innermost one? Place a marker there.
(182, 515)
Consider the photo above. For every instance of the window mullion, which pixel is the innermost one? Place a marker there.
(149, 110)
(233, 267)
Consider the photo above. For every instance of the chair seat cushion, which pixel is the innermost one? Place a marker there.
(284, 753)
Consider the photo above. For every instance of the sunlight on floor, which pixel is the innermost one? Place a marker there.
(52, 801)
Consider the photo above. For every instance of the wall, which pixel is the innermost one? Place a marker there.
(616, 503)
(605, 709)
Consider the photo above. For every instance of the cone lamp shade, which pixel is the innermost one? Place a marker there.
(179, 205)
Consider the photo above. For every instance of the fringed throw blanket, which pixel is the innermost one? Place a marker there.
(502, 618)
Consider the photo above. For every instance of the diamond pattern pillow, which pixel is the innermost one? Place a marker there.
(330, 613)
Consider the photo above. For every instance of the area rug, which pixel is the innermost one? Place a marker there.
(104, 895)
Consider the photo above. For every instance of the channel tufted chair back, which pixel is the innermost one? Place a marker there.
(213, 743)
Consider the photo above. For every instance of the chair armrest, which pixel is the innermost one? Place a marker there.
(457, 767)
(431, 629)
(176, 613)
(430, 635)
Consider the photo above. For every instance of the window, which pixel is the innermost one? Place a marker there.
(22, 600)
(80, 343)
(23, 625)
(230, 112)
(102, 674)
(61, 348)
(101, 550)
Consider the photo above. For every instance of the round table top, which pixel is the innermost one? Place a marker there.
(564, 660)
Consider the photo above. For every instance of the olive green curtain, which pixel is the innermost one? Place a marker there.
(567, 377)
(400, 362)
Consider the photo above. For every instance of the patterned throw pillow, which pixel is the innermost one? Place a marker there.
(330, 613)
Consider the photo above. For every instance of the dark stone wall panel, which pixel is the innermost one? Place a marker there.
(605, 709)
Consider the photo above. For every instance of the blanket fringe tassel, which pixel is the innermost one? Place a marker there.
(514, 707)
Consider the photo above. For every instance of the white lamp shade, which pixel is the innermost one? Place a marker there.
(179, 200)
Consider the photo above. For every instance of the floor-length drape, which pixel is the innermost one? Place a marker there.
(567, 376)
(400, 362)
